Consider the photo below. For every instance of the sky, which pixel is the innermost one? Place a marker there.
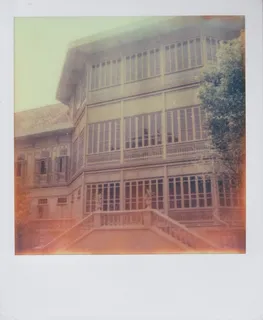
(40, 49)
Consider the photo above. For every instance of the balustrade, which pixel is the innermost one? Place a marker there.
(122, 219)
(180, 232)
(66, 238)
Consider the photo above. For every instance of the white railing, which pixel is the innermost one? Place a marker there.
(147, 218)
(180, 232)
(217, 218)
(66, 238)
(121, 219)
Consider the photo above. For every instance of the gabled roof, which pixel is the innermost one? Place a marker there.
(42, 120)
(80, 49)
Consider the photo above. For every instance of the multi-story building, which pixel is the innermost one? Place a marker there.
(129, 134)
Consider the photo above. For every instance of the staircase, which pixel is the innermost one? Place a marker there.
(183, 238)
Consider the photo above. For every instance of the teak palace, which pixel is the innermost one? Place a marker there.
(123, 164)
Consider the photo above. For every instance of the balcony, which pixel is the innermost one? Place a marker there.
(51, 179)
(192, 150)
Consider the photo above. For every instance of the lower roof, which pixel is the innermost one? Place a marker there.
(42, 120)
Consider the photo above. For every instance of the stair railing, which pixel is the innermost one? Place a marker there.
(180, 232)
(67, 237)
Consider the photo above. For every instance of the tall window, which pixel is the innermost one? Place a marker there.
(185, 125)
(135, 192)
(61, 164)
(142, 65)
(81, 149)
(143, 130)
(228, 193)
(109, 193)
(190, 192)
(104, 136)
(43, 166)
(20, 166)
(106, 74)
(211, 49)
(183, 55)
(74, 156)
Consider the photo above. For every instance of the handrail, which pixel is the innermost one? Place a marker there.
(185, 229)
(183, 234)
(48, 245)
(216, 217)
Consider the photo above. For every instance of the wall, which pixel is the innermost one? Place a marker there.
(141, 105)
(103, 112)
(181, 98)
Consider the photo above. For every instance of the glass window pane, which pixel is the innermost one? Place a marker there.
(101, 139)
(133, 68)
(95, 138)
(128, 69)
(106, 136)
(198, 52)
(140, 133)
(173, 57)
(108, 73)
(169, 127)
(102, 76)
(117, 129)
(133, 132)
(146, 131)
(139, 66)
(90, 138)
(185, 54)
(183, 127)
(127, 133)
(159, 127)
(167, 59)
(192, 53)
(113, 133)
(179, 57)
(157, 62)
(153, 128)
(145, 65)
(189, 124)
(197, 123)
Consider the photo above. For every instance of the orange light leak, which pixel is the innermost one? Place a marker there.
(115, 252)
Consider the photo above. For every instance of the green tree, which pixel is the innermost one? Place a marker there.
(222, 95)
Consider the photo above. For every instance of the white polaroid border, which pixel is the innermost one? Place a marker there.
(134, 287)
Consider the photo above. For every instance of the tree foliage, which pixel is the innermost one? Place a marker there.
(222, 95)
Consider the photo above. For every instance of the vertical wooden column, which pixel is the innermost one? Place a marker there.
(162, 65)
(165, 190)
(164, 125)
(122, 134)
(215, 194)
(122, 191)
(83, 195)
(203, 47)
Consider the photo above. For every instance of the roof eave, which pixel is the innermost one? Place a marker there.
(44, 134)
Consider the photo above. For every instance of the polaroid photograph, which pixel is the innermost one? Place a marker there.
(134, 180)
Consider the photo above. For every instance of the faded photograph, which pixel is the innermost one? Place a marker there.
(130, 135)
